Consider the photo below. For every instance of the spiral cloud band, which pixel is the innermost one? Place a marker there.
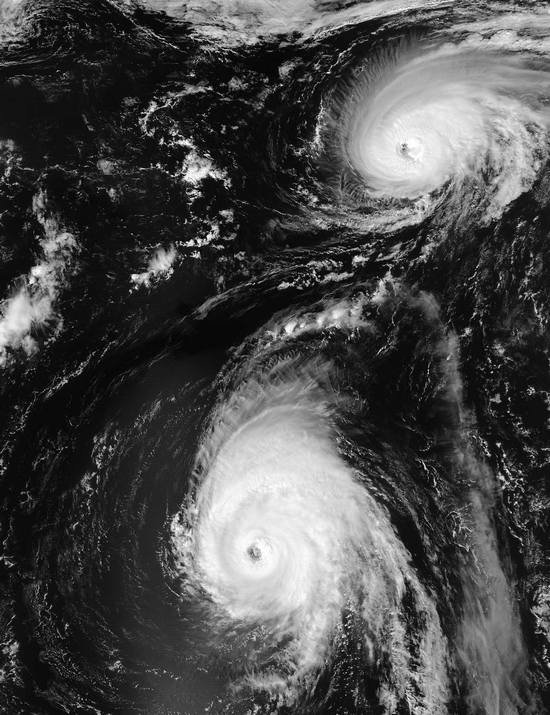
(283, 535)
(436, 130)
(451, 116)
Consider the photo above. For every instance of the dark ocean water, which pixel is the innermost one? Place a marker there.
(275, 412)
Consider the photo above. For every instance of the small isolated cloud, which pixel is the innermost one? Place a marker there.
(161, 265)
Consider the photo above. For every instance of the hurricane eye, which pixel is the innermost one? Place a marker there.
(254, 552)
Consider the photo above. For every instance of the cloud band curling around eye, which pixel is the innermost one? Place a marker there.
(282, 535)
(449, 127)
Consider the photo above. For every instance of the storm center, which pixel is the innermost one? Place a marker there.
(254, 552)
(410, 149)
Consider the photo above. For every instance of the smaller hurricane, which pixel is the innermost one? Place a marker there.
(453, 127)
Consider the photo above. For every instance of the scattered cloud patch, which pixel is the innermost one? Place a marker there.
(160, 266)
(32, 305)
(198, 167)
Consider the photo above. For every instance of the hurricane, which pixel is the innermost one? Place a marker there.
(274, 356)
(443, 122)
